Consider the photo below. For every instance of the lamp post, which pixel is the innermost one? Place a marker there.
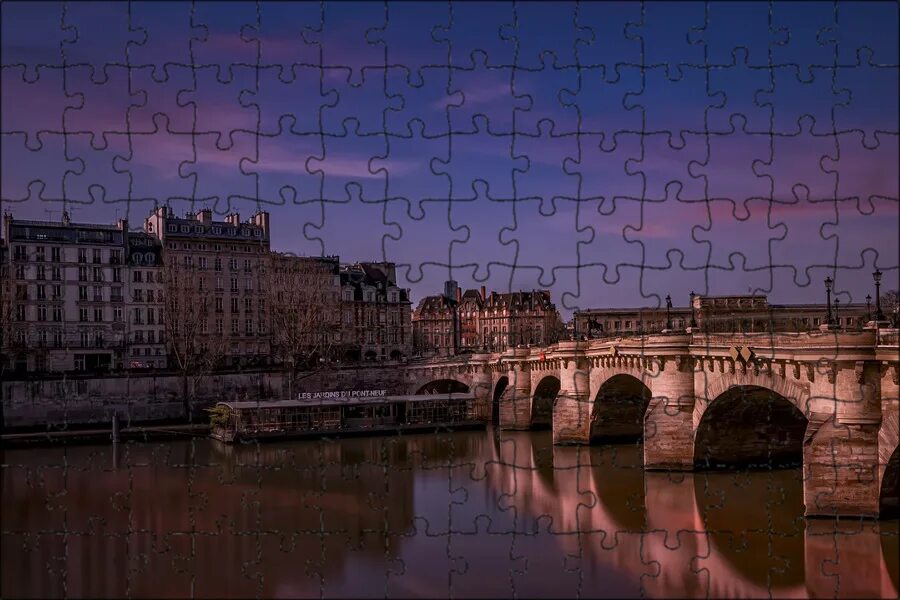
(868, 307)
(668, 311)
(837, 307)
(693, 320)
(828, 283)
(879, 316)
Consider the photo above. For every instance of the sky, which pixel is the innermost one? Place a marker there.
(613, 153)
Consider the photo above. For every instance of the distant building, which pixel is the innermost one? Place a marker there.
(376, 313)
(717, 314)
(471, 321)
(66, 282)
(228, 258)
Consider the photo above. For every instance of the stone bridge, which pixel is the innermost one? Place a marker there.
(826, 400)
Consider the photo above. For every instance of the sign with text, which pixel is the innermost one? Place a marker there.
(342, 394)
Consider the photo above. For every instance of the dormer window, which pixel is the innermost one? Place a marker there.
(185, 229)
(173, 229)
(217, 230)
(198, 228)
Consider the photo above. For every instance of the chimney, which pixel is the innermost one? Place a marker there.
(205, 216)
(65, 217)
(233, 219)
(261, 220)
(458, 295)
(483, 293)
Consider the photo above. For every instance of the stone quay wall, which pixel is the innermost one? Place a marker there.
(78, 401)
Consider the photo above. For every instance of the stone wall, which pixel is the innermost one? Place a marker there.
(64, 402)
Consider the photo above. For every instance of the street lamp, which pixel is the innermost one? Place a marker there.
(668, 313)
(879, 316)
(868, 307)
(837, 306)
(828, 283)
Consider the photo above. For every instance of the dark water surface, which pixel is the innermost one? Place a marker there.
(462, 514)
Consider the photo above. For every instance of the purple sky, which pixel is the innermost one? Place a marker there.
(755, 151)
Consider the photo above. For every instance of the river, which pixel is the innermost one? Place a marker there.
(461, 514)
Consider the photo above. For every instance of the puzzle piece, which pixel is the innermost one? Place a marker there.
(673, 181)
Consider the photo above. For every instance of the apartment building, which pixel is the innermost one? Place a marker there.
(66, 282)
(376, 319)
(146, 344)
(473, 320)
(227, 260)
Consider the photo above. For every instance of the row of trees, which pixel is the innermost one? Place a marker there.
(301, 310)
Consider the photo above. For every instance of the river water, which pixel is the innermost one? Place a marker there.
(458, 514)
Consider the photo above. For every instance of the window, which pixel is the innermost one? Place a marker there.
(98, 274)
(232, 264)
(117, 314)
(137, 295)
(117, 274)
(219, 327)
(248, 327)
(188, 261)
(234, 327)
(57, 314)
(96, 256)
(98, 293)
(57, 339)
(202, 261)
(41, 272)
(82, 274)
(42, 313)
(54, 254)
(20, 271)
(219, 305)
(137, 277)
(217, 264)
(20, 312)
(151, 335)
(98, 339)
(115, 294)
(82, 255)
(115, 257)
(82, 314)
(150, 296)
(248, 304)
(234, 305)
(151, 316)
(219, 285)
(246, 265)
(98, 314)
(139, 336)
(234, 284)
(57, 274)
(203, 327)
(41, 292)
(248, 284)
(202, 284)
(138, 316)
(172, 228)
(262, 305)
(82, 292)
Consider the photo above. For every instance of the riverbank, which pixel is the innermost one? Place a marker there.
(19, 439)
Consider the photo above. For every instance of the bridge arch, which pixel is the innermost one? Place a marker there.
(889, 498)
(749, 425)
(542, 402)
(618, 409)
(499, 388)
(443, 386)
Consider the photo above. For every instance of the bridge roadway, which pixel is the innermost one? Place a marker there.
(828, 399)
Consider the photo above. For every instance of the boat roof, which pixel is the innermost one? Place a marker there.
(354, 401)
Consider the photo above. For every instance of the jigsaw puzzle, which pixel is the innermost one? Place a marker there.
(450, 299)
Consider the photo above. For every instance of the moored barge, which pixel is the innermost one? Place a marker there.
(243, 421)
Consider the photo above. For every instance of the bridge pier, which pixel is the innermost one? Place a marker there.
(668, 423)
(515, 403)
(572, 409)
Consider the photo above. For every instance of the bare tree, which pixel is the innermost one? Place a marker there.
(890, 306)
(304, 311)
(187, 300)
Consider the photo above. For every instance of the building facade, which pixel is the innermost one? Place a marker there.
(227, 260)
(146, 343)
(376, 313)
(471, 321)
(67, 286)
(718, 314)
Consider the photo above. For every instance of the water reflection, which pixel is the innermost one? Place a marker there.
(464, 514)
